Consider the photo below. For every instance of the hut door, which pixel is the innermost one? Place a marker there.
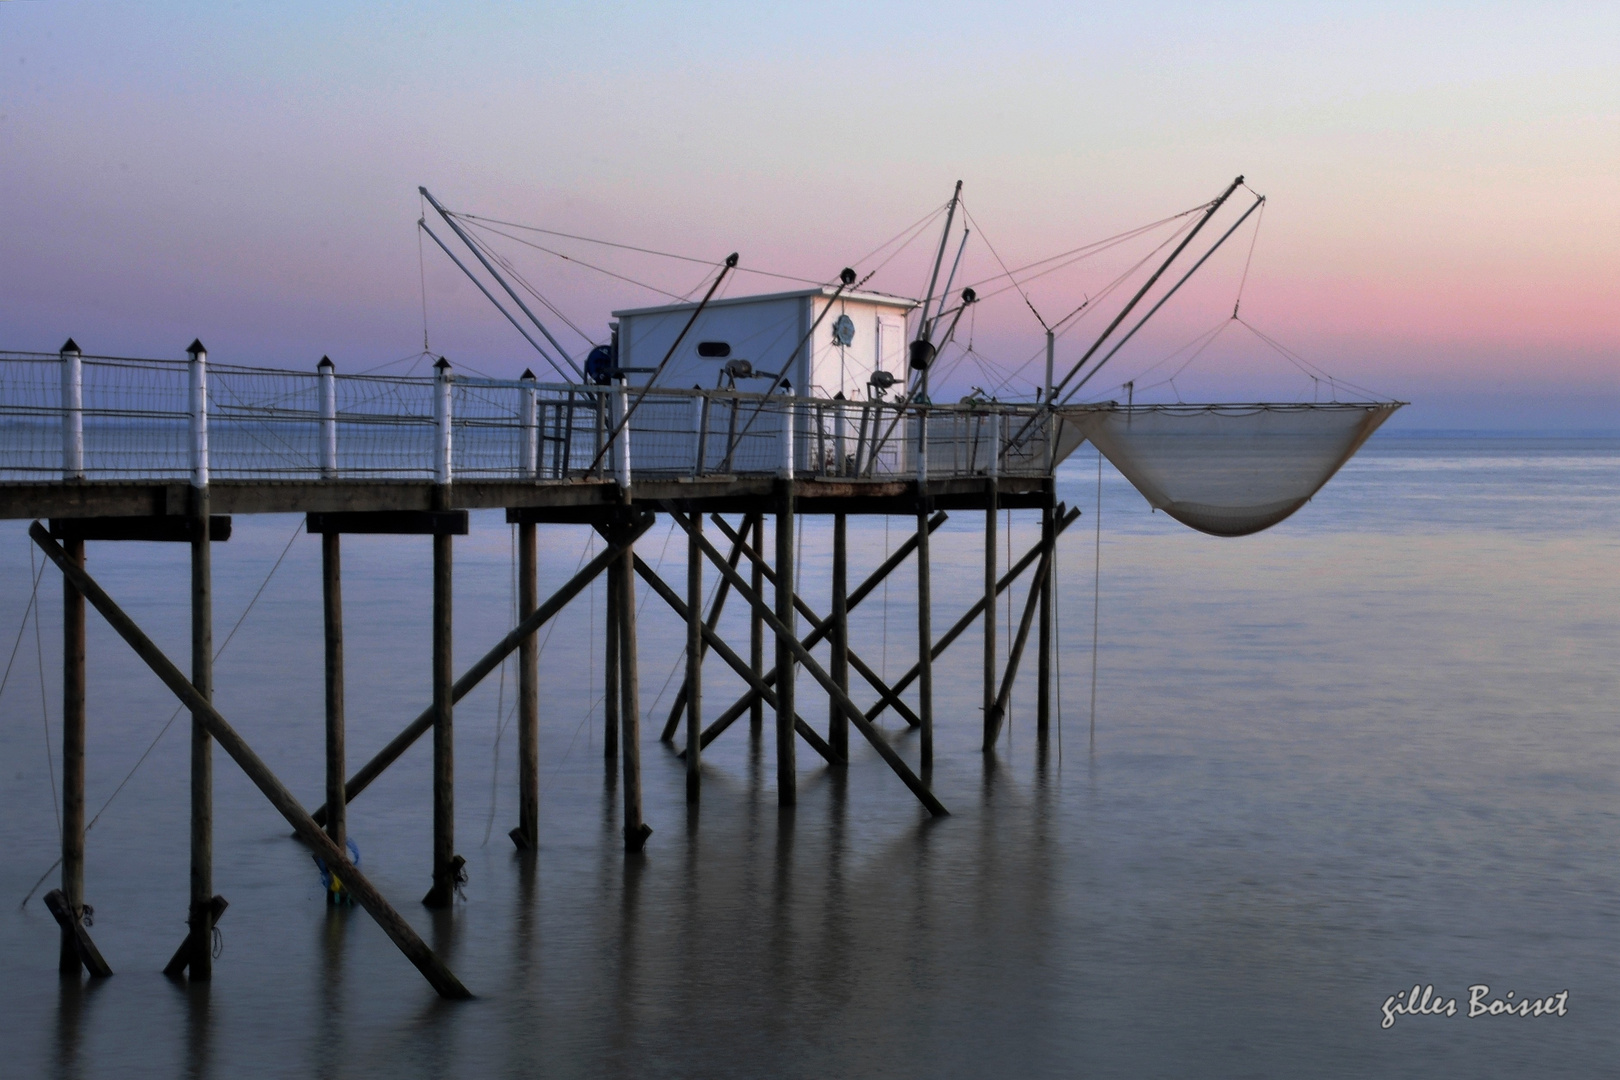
(891, 342)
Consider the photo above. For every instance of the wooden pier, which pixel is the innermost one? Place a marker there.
(90, 463)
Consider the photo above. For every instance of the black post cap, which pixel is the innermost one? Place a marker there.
(69, 346)
(196, 347)
(326, 361)
(731, 260)
(528, 373)
(847, 275)
(441, 364)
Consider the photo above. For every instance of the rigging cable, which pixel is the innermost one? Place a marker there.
(421, 273)
(999, 262)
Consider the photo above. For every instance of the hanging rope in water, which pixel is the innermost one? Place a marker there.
(22, 628)
(297, 530)
(44, 708)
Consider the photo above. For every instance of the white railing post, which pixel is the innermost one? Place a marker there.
(441, 419)
(786, 469)
(326, 373)
(993, 469)
(531, 428)
(699, 432)
(840, 436)
(922, 449)
(199, 414)
(621, 442)
(72, 412)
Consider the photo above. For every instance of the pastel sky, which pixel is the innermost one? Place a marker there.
(1442, 180)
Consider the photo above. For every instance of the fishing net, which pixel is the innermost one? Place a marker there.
(1227, 470)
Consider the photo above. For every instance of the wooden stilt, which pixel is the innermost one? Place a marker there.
(787, 782)
(1043, 660)
(612, 693)
(201, 910)
(838, 636)
(366, 894)
(446, 864)
(694, 661)
(73, 735)
(527, 834)
(756, 631)
(990, 564)
(925, 637)
(332, 608)
(636, 830)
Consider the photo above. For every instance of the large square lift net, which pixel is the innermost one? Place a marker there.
(1226, 470)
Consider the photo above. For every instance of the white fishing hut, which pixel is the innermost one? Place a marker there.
(866, 333)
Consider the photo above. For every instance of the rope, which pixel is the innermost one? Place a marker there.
(21, 629)
(471, 218)
(1255, 239)
(44, 709)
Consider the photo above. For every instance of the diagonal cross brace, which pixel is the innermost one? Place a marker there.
(365, 893)
(489, 662)
(819, 626)
(738, 664)
(865, 589)
(817, 672)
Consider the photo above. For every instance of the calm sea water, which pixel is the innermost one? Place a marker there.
(1374, 747)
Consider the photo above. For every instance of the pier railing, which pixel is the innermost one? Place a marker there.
(71, 416)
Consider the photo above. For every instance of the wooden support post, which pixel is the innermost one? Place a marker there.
(784, 635)
(611, 663)
(990, 564)
(636, 830)
(678, 710)
(838, 636)
(694, 660)
(485, 665)
(73, 737)
(365, 894)
(527, 834)
(787, 782)
(925, 636)
(752, 699)
(756, 631)
(201, 909)
(446, 865)
(332, 608)
(1043, 660)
